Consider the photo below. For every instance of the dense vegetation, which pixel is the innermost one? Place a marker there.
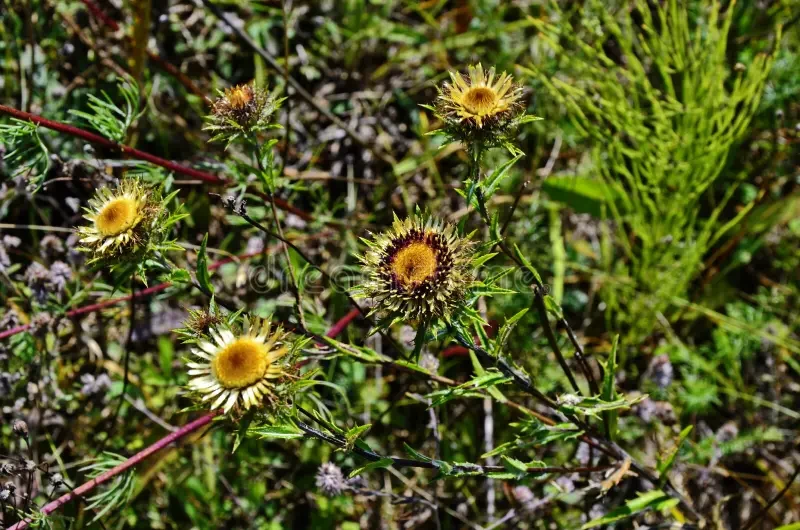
(400, 264)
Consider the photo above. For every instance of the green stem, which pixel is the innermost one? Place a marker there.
(419, 341)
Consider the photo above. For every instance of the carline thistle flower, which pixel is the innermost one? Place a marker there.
(481, 107)
(241, 369)
(123, 220)
(419, 270)
(240, 111)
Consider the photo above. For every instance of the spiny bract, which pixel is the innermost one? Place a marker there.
(419, 270)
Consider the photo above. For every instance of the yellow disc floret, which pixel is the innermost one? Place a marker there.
(240, 364)
(419, 270)
(116, 216)
(414, 264)
(239, 369)
(480, 101)
(239, 96)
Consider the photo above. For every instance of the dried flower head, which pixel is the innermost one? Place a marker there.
(241, 110)
(51, 246)
(60, 274)
(419, 270)
(125, 222)
(481, 107)
(37, 278)
(330, 480)
(200, 321)
(241, 369)
(20, 428)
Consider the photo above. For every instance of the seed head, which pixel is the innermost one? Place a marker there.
(330, 479)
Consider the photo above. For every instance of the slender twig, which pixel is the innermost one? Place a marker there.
(524, 382)
(141, 155)
(757, 517)
(298, 88)
(295, 285)
(44, 228)
(126, 365)
(398, 462)
(342, 323)
(148, 291)
(240, 210)
(538, 299)
(98, 13)
(607, 446)
(121, 468)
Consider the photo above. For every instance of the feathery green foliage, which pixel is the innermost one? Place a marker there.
(654, 93)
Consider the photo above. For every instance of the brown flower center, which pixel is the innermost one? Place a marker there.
(480, 100)
(239, 96)
(117, 216)
(414, 264)
(240, 364)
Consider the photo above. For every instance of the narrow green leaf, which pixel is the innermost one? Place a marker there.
(283, 432)
(656, 500)
(519, 468)
(203, 277)
(497, 176)
(480, 260)
(356, 432)
(383, 463)
(553, 307)
(666, 465)
(521, 257)
(416, 454)
(166, 353)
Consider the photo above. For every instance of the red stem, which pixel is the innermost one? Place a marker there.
(48, 508)
(129, 463)
(342, 323)
(98, 13)
(139, 294)
(141, 155)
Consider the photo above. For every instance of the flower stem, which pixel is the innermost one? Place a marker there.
(129, 463)
(419, 341)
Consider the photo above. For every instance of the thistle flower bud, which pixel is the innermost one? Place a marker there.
(200, 321)
(20, 428)
(239, 111)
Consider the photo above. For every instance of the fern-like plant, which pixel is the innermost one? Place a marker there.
(654, 92)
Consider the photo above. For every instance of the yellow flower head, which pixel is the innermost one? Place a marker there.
(120, 220)
(419, 270)
(241, 110)
(239, 370)
(481, 105)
